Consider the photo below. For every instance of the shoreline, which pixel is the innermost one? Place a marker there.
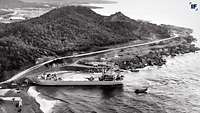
(131, 59)
(18, 101)
(155, 54)
(45, 105)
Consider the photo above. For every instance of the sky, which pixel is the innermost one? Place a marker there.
(173, 12)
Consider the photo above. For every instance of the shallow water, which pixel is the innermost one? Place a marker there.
(174, 87)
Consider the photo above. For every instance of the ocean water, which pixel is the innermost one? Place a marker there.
(173, 88)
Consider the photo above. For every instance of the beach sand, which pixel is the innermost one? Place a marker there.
(46, 105)
(29, 105)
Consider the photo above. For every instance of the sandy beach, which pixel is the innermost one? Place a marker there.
(45, 104)
(27, 103)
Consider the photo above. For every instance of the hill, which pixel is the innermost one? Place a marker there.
(65, 30)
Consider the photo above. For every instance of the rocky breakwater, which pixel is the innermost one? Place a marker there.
(158, 52)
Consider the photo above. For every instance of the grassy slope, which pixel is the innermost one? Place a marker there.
(64, 30)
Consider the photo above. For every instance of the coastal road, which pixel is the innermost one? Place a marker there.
(23, 73)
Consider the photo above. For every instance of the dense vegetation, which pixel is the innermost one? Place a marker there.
(64, 30)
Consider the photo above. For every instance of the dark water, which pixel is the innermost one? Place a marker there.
(101, 100)
(173, 88)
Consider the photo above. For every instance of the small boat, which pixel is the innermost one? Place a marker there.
(138, 91)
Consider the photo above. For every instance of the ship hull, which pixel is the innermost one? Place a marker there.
(77, 83)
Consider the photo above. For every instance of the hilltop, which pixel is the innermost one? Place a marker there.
(66, 30)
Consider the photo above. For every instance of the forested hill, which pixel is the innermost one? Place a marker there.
(64, 30)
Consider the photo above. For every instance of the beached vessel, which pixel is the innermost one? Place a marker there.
(108, 78)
